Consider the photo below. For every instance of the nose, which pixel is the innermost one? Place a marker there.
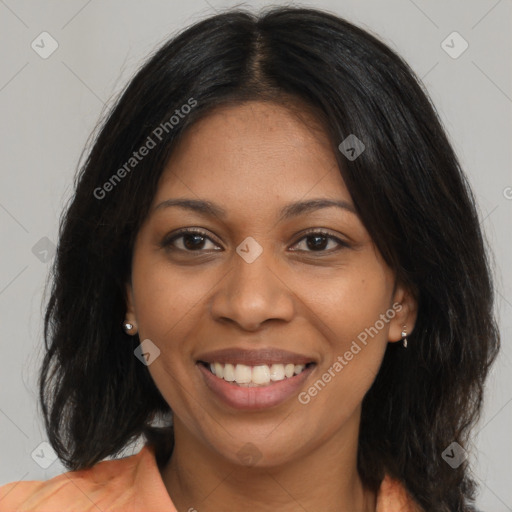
(253, 293)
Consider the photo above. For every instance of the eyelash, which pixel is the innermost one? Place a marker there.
(168, 241)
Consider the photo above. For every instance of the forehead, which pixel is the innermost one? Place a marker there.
(253, 149)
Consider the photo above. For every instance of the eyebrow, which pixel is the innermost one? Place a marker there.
(290, 210)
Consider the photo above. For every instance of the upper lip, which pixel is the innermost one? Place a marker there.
(253, 357)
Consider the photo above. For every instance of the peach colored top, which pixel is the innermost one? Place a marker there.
(132, 484)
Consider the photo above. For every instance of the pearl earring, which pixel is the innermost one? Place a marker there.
(127, 327)
(404, 337)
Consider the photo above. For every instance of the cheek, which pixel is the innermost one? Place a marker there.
(164, 308)
(352, 313)
(349, 302)
(170, 305)
(166, 299)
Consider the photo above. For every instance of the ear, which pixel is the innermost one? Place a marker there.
(130, 304)
(405, 306)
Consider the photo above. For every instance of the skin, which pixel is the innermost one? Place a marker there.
(253, 159)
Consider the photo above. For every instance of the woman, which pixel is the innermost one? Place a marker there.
(273, 246)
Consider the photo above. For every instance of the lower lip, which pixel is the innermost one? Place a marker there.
(253, 398)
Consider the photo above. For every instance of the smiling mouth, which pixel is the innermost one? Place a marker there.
(255, 376)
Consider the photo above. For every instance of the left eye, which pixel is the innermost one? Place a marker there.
(317, 241)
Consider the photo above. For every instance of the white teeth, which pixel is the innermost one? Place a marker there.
(229, 372)
(219, 370)
(261, 375)
(243, 374)
(289, 370)
(277, 372)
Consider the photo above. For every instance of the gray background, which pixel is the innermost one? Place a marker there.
(50, 106)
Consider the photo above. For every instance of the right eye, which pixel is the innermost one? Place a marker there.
(188, 240)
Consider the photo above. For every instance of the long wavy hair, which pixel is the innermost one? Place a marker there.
(408, 189)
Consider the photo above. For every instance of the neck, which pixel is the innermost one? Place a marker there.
(325, 479)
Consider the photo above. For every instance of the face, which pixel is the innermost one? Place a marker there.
(253, 280)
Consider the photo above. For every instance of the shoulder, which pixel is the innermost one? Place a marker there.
(109, 485)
